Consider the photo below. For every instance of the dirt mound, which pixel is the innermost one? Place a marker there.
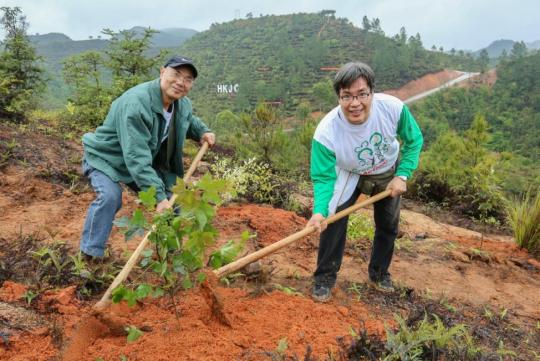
(270, 224)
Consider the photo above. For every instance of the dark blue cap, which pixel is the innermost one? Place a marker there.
(179, 60)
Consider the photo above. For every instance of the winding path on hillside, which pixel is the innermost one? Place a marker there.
(465, 76)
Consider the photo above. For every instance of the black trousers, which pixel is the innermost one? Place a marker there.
(332, 240)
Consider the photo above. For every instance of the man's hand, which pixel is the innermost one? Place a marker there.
(398, 186)
(210, 138)
(161, 206)
(318, 221)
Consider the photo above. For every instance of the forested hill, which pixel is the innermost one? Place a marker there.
(280, 58)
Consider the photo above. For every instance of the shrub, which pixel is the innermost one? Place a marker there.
(524, 217)
(20, 76)
(429, 341)
(251, 179)
(179, 239)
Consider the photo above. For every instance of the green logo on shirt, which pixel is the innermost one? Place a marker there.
(371, 152)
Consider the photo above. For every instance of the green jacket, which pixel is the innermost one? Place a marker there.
(127, 146)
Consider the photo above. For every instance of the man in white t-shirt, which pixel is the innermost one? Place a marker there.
(355, 149)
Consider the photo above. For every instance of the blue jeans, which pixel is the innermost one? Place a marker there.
(101, 213)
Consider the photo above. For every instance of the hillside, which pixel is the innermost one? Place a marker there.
(463, 277)
(280, 58)
(272, 58)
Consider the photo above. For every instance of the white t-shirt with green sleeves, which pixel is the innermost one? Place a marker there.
(342, 151)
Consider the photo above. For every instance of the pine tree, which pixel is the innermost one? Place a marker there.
(20, 76)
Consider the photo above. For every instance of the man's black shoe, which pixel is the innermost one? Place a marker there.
(321, 293)
(384, 284)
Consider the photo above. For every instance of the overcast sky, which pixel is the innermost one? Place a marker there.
(460, 24)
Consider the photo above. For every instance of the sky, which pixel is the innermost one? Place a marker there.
(459, 24)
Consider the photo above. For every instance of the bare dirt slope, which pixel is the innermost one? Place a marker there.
(425, 83)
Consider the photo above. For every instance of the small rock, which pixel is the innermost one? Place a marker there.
(253, 269)
(62, 297)
(420, 236)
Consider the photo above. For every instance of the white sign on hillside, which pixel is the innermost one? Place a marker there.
(227, 88)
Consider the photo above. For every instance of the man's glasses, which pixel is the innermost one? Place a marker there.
(349, 98)
(186, 79)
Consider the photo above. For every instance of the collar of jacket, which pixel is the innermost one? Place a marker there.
(155, 97)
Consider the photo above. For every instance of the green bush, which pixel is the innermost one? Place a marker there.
(458, 171)
(524, 218)
(429, 341)
(251, 179)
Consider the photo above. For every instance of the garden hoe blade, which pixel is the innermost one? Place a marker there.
(99, 322)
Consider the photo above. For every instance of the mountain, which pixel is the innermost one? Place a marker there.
(166, 38)
(280, 58)
(534, 45)
(54, 47)
(274, 58)
(496, 48)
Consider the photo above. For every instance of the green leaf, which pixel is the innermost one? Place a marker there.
(158, 292)
(133, 334)
(122, 222)
(186, 283)
(190, 261)
(201, 277)
(145, 262)
(180, 186)
(148, 198)
(118, 294)
(172, 242)
(226, 254)
(136, 225)
(160, 267)
(178, 265)
(138, 218)
(130, 297)
(148, 252)
(143, 290)
(201, 218)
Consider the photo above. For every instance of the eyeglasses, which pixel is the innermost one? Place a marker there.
(186, 79)
(349, 98)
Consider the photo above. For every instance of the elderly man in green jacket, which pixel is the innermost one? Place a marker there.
(140, 144)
